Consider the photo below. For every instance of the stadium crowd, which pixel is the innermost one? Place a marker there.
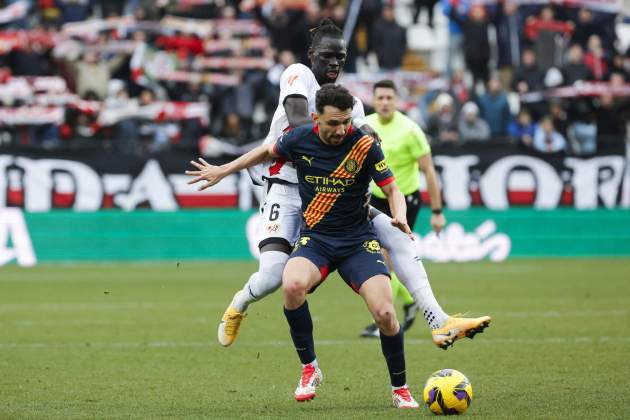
(140, 76)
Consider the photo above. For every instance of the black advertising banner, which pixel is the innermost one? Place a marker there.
(476, 175)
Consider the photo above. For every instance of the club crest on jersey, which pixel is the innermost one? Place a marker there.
(351, 166)
(373, 247)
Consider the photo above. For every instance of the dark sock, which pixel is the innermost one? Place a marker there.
(394, 352)
(301, 327)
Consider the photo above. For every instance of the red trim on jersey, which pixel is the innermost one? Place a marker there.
(386, 181)
(278, 164)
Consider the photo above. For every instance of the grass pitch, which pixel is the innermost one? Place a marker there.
(138, 341)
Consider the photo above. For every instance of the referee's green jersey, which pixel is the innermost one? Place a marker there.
(403, 142)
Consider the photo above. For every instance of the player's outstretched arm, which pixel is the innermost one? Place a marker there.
(212, 174)
(437, 217)
(398, 207)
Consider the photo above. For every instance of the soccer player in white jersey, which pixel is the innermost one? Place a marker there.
(281, 210)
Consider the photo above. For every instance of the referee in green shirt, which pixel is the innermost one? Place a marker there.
(406, 151)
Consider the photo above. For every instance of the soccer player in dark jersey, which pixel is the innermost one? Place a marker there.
(335, 164)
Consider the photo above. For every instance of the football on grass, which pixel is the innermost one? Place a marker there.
(447, 391)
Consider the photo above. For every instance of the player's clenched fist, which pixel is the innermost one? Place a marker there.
(209, 173)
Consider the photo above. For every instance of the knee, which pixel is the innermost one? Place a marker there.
(293, 287)
(385, 317)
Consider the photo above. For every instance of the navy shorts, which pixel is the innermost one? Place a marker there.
(356, 261)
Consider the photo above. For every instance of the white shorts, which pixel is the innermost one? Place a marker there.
(281, 214)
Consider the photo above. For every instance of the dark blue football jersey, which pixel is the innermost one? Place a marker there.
(334, 180)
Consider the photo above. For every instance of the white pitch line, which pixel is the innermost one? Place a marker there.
(99, 306)
(82, 323)
(201, 320)
(283, 343)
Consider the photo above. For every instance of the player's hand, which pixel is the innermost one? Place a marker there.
(403, 226)
(209, 173)
(437, 222)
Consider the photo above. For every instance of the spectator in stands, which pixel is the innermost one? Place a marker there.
(74, 10)
(612, 117)
(454, 56)
(559, 116)
(30, 60)
(124, 133)
(595, 58)
(619, 64)
(429, 5)
(574, 69)
(156, 135)
(585, 26)
(542, 32)
(547, 139)
(441, 125)
(494, 107)
(582, 134)
(522, 128)
(458, 89)
(528, 77)
(508, 40)
(476, 43)
(390, 40)
(471, 128)
(112, 8)
(233, 130)
(370, 13)
(92, 73)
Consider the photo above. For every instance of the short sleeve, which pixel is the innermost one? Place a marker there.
(418, 144)
(284, 145)
(295, 80)
(379, 171)
(358, 113)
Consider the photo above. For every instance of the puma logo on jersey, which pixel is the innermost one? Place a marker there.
(308, 159)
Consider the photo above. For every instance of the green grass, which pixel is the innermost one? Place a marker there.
(138, 341)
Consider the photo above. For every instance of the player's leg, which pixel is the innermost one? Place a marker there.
(410, 307)
(408, 265)
(363, 272)
(398, 290)
(306, 268)
(281, 219)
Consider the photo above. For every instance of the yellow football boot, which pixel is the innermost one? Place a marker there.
(457, 327)
(229, 326)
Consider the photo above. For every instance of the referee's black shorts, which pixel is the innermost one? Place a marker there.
(413, 206)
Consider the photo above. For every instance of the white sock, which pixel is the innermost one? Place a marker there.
(264, 282)
(410, 270)
(394, 388)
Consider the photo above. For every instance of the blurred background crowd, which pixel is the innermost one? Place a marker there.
(138, 76)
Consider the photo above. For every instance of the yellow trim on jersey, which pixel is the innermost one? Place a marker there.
(322, 203)
(358, 153)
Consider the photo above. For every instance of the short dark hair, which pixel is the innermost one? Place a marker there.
(333, 95)
(326, 28)
(385, 83)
